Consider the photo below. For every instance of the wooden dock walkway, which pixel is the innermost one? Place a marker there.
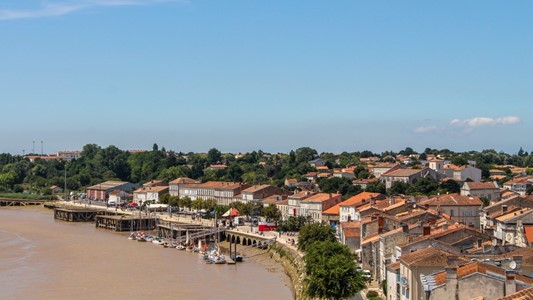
(20, 202)
(75, 214)
(125, 223)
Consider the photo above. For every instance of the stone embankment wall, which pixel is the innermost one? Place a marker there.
(293, 265)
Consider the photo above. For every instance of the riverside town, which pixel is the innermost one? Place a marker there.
(434, 224)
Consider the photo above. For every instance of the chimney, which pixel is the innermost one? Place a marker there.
(330, 196)
(479, 242)
(451, 281)
(504, 209)
(405, 228)
(391, 200)
(445, 226)
(372, 201)
(426, 230)
(510, 284)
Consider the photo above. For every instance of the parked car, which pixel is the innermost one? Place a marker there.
(366, 274)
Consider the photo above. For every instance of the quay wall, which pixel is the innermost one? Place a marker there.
(293, 265)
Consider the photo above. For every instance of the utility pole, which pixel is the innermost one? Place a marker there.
(65, 189)
(33, 148)
(41, 147)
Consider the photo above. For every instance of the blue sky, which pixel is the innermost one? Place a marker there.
(271, 75)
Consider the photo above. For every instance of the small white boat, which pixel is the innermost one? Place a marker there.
(180, 247)
(158, 241)
(132, 236)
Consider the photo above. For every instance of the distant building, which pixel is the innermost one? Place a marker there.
(319, 162)
(463, 209)
(488, 190)
(153, 193)
(174, 185)
(100, 192)
(68, 155)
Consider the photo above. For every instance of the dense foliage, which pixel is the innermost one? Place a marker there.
(315, 232)
(329, 266)
(99, 164)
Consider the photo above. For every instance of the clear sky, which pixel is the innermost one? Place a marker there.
(243, 75)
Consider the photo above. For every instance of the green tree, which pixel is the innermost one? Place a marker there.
(234, 173)
(424, 186)
(331, 271)
(214, 156)
(450, 186)
(399, 187)
(315, 232)
(305, 154)
(272, 213)
(376, 187)
(185, 202)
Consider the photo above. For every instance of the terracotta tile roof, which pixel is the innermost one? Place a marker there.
(402, 173)
(525, 294)
(351, 224)
(468, 269)
(352, 232)
(107, 185)
(516, 215)
(428, 257)
(302, 195)
(529, 233)
(385, 165)
(184, 180)
(334, 210)
(361, 198)
(220, 185)
(151, 189)
(256, 188)
(283, 202)
(482, 185)
(310, 174)
(218, 166)
(520, 180)
(452, 200)
(394, 266)
(526, 253)
(371, 239)
(321, 197)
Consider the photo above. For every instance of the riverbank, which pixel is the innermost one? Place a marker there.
(43, 258)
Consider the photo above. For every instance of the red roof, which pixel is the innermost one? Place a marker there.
(529, 233)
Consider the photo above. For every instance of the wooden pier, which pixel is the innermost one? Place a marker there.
(125, 223)
(20, 202)
(75, 214)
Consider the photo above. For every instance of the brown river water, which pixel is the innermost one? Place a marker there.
(41, 258)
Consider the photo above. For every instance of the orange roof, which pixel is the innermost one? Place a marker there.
(402, 173)
(321, 197)
(514, 215)
(427, 257)
(256, 188)
(183, 180)
(481, 185)
(360, 198)
(525, 294)
(452, 200)
(151, 189)
(529, 233)
(334, 210)
(352, 232)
